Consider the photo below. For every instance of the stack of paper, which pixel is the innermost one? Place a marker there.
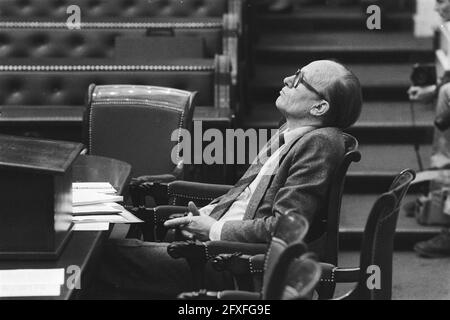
(87, 197)
(31, 283)
(95, 207)
(102, 187)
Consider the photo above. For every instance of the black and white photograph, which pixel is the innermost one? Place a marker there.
(224, 158)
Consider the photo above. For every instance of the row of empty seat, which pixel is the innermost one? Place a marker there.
(46, 67)
(31, 10)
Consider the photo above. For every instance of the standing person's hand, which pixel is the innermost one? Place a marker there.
(422, 94)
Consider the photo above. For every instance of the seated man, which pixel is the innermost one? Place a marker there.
(318, 102)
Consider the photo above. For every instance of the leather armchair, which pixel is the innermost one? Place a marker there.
(53, 83)
(61, 43)
(377, 246)
(102, 40)
(177, 194)
(296, 283)
(49, 10)
(288, 272)
(144, 115)
(377, 250)
(326, 244)
(39, 97)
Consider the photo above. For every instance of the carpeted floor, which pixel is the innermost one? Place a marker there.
(414, 278)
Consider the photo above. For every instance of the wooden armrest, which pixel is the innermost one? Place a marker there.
(199, 295)
(190, 250)
(219, 247)
(203, 251)
(193, 191)
(334, 274)
(239, 295)
(157, 215)
(154, 186)
(239, 264)
(223, 295)
(164, 213)
(164, 187)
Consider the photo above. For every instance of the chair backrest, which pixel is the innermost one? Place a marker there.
(64, 85)
(39, 42)
(328, 243)
(112, 42)
(301, 278)
(335, 199)
(98, 10)
(286, 245)
(137, 124)
(137, 50)
(378, 242)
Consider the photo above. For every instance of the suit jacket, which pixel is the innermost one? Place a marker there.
(300, 183)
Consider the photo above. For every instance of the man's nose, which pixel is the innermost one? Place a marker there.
(289, 81)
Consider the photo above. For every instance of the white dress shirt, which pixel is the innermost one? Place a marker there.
(237, 210)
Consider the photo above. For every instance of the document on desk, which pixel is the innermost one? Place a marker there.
(89, 197)
(120, 216)
(131, 218)
(96, 209)
(100, 187)
(31, 283)
(93, 226)
(100, 218)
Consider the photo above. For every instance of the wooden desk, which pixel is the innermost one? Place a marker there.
(82, 250)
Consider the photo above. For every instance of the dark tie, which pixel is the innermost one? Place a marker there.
(226, 201)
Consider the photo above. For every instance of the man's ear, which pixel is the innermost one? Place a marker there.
(320, 108)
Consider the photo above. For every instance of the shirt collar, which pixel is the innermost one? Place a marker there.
(291, 134)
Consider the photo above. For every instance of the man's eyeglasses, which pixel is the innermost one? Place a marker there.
(300, 78)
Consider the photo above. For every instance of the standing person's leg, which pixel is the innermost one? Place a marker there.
(439, 246)
(441, 145)
(143, 270)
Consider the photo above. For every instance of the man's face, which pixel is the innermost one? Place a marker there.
(443, 8)
(297, 102)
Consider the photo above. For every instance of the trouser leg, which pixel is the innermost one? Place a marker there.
(441, 145)
(137, 269)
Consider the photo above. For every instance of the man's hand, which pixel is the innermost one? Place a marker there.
(194, 225)
(422, 94)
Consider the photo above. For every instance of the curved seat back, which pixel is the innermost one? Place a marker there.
(68, 85)
(97, 10)
(378, 240)
(140, 125)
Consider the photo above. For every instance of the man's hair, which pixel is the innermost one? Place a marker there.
(345, 99)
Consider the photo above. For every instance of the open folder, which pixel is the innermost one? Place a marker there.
(88, 197)
(101, 187)
(96, 209)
